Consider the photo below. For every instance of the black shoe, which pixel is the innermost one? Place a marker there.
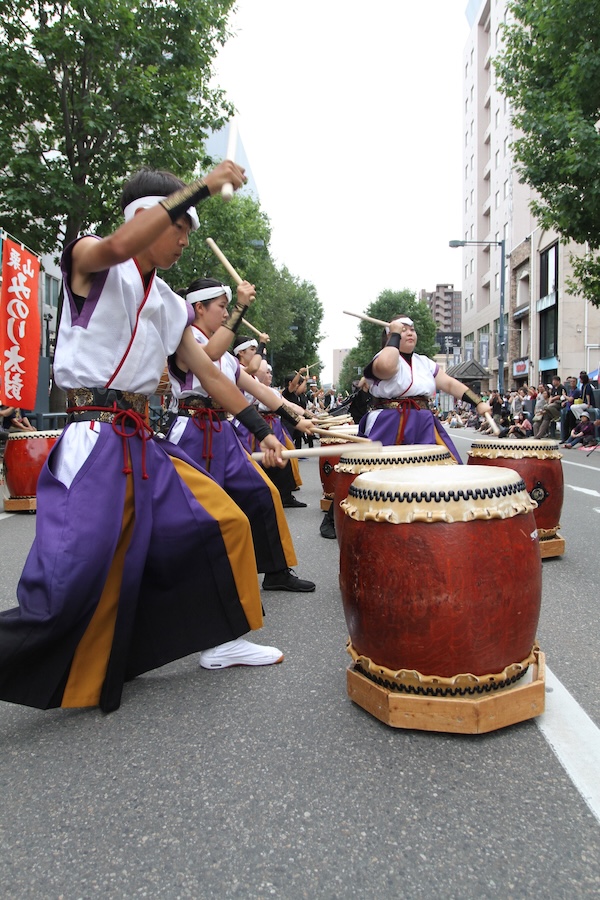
(327, 528)
(286, 580)
(291, 503)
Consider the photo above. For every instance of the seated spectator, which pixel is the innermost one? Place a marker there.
(547, 414)
(522, 427)
(11, 419)
(582, 433)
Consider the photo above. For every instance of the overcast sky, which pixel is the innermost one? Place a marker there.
(351, 117)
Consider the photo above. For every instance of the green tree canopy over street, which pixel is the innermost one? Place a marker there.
(550, 70)
(385, 307)
(90, 92)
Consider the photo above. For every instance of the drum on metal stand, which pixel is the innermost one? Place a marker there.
(25, 454)
(356, 460)
(434, 605)
(538, 462)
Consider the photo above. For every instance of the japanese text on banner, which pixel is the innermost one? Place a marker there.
(19, 326)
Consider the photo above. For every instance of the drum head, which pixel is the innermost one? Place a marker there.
(459, 494)
(360, 459)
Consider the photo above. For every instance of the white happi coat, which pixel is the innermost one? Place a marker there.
(120, 339)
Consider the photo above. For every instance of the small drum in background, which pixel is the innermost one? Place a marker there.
(539, 465)
(25, 454)
(355, 461)
(327, 464)
(441, 578)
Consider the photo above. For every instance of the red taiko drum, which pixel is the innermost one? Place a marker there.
(327, 464)
(355, 461)
(430, 591)
(539, 465)
(25, 454)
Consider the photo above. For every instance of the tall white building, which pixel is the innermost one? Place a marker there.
(546, 329)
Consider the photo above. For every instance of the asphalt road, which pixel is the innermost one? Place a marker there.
(259, 783)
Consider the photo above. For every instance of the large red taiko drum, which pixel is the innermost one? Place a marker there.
(356, 460)
(539, 465)
(430, 589)
(327, 464)
(24, 456)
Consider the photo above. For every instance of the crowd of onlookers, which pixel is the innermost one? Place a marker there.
(565, 411)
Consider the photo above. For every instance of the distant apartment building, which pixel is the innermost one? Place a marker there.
(445, 307)
(546, 329)
(338, 358)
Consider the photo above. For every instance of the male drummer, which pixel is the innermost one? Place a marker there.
(139, 557)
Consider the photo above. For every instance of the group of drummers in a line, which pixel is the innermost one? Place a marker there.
(148, 547)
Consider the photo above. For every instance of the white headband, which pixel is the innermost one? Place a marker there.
(209, 293)
(245, 345)
(404, 320)
(147, 202)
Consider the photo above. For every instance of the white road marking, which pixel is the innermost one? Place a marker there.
(583, 490)
(575, 740)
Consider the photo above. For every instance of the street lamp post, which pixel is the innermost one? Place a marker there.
(47, 320)
(501, 338)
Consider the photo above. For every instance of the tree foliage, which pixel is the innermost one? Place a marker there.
(388, 304)
(286, 308)
(91, 90)
(550, 69)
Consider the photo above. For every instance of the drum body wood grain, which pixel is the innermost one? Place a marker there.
(24, 457)
(539, 465)
(427, 570)
(327, 464)
(357, 460)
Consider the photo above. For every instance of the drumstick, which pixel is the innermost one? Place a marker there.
(227, 189)
(493, 425)
(224, 261)
(329, 432)
(251, 327)
(235, 275)
(367, 318)
(334, 450)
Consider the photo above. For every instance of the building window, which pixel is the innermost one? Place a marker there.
(51, 291)
(548, 271)
(548, 323)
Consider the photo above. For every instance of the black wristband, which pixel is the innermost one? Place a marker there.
(287, 415)
(261, 348)
(394, 340)
(177, 204)
(235, 319)
(471, 397)
(254, 422)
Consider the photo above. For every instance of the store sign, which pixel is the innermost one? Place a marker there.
(520, 368)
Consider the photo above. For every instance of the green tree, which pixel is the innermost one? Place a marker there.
(550, 69)
(388, 304)
(91, 90)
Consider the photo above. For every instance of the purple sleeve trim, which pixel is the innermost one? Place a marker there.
(436, 370)
(190, 313)
(82, 319)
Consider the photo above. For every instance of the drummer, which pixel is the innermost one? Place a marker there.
(402, 384)
(202, 430)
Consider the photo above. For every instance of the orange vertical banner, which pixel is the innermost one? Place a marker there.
(20, 329)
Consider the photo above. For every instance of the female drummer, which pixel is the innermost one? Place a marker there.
(402, 384)
(202, 431)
